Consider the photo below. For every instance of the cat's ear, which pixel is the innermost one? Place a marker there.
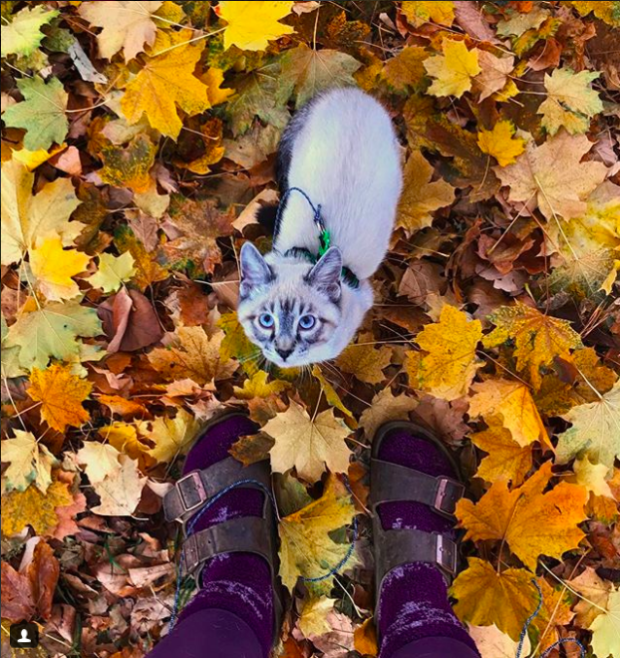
(326, 274)
(255, 271)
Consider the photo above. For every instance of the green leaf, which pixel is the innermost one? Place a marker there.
(23, 35)
(52, 333)
(41, 113)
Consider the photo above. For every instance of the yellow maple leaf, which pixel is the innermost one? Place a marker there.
(61, 394)
(33, 508)
(313, 621)
(172, 437)
(531, 522)
(307, 550)
(421, 197)
(330, 393)
(214, 78)
(120, 492)
(418, 13)
(99, 459)
(54, 266)
(252, 25)
(191, 354)
(501, 143)
(259, 387)
(113, 272)
(148, 270)
(513, 403)
(238, 346)
(593, 477)
(605, 629)
(27, 219)
(167, 80)
(454, 70)
(386, 407)
(129, 166)
(539, 338)
(450, 364)
(486, 597)
(309, 445)
(406, 69)
(606, 11)
(364, 361)
(29, 462)
(124, 437)
(506, 458)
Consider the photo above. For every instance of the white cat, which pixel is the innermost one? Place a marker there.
(341, 178)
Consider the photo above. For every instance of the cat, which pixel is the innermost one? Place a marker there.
(340, 173)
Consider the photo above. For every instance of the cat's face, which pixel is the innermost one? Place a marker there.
(290, 309)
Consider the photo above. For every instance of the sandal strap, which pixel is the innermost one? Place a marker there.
(396, 548)
(393, 483)
(192, 491)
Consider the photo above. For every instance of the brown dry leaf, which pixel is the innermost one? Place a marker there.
(365, 362)
(495, 73)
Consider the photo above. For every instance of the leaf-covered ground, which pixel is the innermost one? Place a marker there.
(138, 141)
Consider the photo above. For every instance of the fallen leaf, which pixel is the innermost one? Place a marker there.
(454, 70)
(595, 431)
(41, 113)
(309, 445)
(386, 408)
(172, 437)
(572, 103)
(120, 492)
(520, 22)
(606, 12)
(531, 522)
(501, 143)
(593, 477)
(553, 177)
(113, 272)
(167, 80)
(22, 36)
(493, 643)
(495, 74)
(365, 362)
(539, 338)
(313, 620)
(148, 270)
(330, 393)
(606, 629)
(450, 363)
(129, 166)
(258, 387)
(54, 268)
(126, 26)
(418, 13)
(307, 549)
(30, 462)
(366, 641)
(421, 197)
(61, 394)
(406, 69)
(100, 461)
(252, 25)
(595, 593)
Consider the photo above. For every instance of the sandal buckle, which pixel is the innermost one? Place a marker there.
(449, 492)
(447, 556)
(192, 492)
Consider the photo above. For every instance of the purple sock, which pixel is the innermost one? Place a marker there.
(239, 583)
(414, 601)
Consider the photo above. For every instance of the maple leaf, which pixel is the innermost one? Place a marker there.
(513, 403)
(520, 22)
(99, 459)
(313, 620)
(418, 13)
(306, 72)
(532, 523)
(365, 362)
(22, 36)
(450, 364)
(330, 393)
(124, 437)
(501, 143)
(421, 197)
(29, 462)
(238, 346)
(605, 629)
(486, 597)
(126, 25)
(27, 219)
(52, 332)
(131, 166)
(606, 11)
(54, 267)
(492, 643)
(495, 73)
(191, 354)
(61, 394)
(41, 113)
(259, 387)
(33, 508)
(385, 408)
(593, 477)
(595, 432)
(553, 176)
(506, 458)
(453, 70)
(252, 25)
(309, 445)
(406, 69)
(172, 437)
(539, 338)
(595, 593)
(366, 641)
(148, 270)
(113, 272)
(121, 491)
(572, 103)
(167, 80)
(307, 550)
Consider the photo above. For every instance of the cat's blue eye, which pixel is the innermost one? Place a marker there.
(267, 321)
(307, 322)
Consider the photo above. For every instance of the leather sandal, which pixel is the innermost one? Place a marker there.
(393, 483)
(258, 536)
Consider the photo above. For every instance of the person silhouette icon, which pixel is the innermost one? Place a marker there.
(25, 639)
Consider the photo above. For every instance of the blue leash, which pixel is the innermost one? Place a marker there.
(528, 623)
(192, 526)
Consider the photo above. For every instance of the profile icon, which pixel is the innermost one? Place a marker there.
(24, 636)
